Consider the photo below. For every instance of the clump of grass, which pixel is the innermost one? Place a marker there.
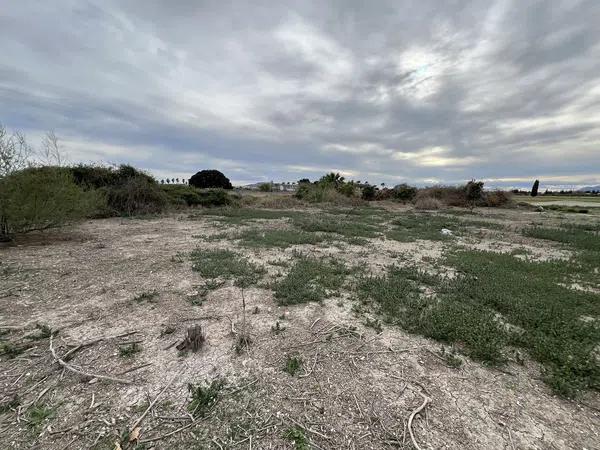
(38, 414)
(499, 300)
(426, 226)
(278, 238)
(168, 330)
(12, 350)
(297, 436)
(277, 328)
(240, 215)
(451, 357)
(10, 404)
(149, 297)
(344, 227)
(178, 257)
(204, 396)
(206, 288)
(292, 365)
(226, 264)
(242, 343)
(575, 236)
(399, 298)
(375, 324)
(44, 332)
(127, 351)
(310, 280)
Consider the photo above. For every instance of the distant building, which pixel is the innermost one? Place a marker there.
(284, 186)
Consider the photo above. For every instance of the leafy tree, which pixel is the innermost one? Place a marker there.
(332, 178)
(534, 188)
(474, 191)
(210, 179)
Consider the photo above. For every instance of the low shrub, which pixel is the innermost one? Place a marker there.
(368, 192)
(428, 203)
(404, 193)
(276, 201)
(495, 199)
(96, 176)
(466, 196)
(136, 195)
(384, 194)
(43, 197)
(323, 193)
(181, 195)
(125, 189)
(265, 187)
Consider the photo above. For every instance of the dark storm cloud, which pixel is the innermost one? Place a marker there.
(385, 91)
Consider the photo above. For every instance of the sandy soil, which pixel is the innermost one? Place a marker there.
(356, 389)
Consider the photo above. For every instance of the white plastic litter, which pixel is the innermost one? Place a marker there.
(447, 232)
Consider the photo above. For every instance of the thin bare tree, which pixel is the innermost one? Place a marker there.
(51, 153)
(15, 153)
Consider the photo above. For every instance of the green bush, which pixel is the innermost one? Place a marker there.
(368, 192)
(467, 195)
(137, 195)
(182, 195)
(96, 176)
(331, 188)
(125, 189)
(44, 197)
(404, 193)
(215, 197)
(265, 187)
(474, 192)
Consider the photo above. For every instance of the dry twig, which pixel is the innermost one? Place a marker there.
(416, 411)
(139, 420)
(80, 372)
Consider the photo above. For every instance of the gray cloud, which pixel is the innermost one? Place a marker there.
(385, 91)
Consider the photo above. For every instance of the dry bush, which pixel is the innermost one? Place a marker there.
(428, 203)
(332, 196)
(496, 199)
(275, 201)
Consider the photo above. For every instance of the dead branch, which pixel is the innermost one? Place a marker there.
(426, 400)
(309, 430)
(164, 436)
(133, 369)
(304, 375)
(80, 372)
(139, 420)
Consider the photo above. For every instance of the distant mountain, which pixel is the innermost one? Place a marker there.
(590, 188)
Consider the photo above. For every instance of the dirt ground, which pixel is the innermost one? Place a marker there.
(356, 389)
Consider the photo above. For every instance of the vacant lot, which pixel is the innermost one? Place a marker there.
(562, 200)
(371, 327)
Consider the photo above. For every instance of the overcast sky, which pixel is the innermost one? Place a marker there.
(385, 91)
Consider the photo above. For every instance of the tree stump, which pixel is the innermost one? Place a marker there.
(194, 339)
